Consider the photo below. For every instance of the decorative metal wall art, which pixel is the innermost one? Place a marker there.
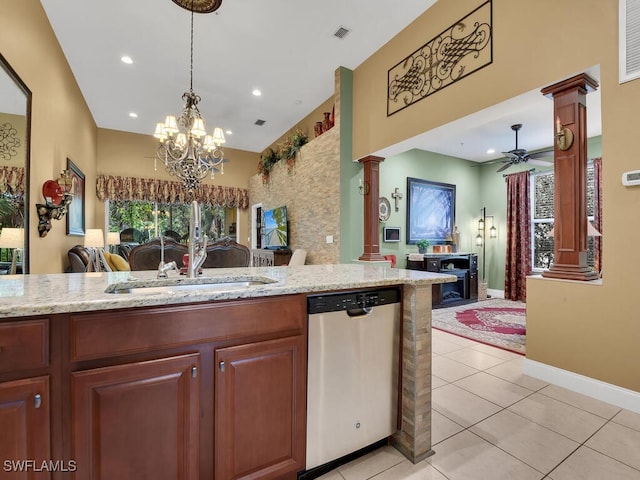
(9, 141)
(465, 47)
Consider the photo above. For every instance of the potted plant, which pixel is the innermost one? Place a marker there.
(423, 244)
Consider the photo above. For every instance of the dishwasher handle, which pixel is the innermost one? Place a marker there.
(359, 312)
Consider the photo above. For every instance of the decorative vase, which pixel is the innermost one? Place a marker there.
(317, 129)
(326, 123)
(422, 250)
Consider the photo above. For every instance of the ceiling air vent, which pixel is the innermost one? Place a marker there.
(341, 32)
(260, 122)
(629, 40)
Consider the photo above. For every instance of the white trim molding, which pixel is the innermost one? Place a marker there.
(597, 389)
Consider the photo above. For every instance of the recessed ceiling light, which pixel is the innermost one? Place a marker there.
(133, 115)
(490, 151)
(228, 132)
(127, 59)
(256, 92)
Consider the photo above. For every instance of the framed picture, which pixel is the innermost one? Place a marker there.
(431, 210)
(391, 234)
(75, 213)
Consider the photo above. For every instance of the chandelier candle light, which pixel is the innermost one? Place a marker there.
(186, 149)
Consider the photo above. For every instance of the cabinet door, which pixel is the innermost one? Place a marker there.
(137, 420)
(473, 285)
(24, 428)
(260, 409)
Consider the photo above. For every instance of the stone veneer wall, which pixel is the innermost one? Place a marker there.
(311, 193)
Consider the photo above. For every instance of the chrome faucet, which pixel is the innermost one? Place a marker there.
(197, 242)
(163, 268)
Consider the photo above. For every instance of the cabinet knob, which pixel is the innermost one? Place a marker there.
(37, 400)
(221, 365)
(194, 372)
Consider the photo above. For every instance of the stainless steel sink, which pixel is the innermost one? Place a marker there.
(180, 285)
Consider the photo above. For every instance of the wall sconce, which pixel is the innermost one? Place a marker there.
(564, 136)
(13, 238)
(57, 196)
(363, 187)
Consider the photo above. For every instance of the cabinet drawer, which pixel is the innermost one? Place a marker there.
(24, 345)
(433, 265)
(114, 333)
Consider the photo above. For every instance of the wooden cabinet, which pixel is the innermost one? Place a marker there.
(149, 399)
(270, 258)
(260, 409)
(24, 428)
(138, 420)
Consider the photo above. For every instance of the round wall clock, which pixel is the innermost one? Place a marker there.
(384, 210)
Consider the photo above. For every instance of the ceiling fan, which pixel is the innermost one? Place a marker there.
(520, 155)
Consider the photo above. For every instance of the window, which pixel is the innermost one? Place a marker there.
(146, 220)
(542, 216)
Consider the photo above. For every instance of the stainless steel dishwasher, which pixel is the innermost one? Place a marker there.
(352, 381)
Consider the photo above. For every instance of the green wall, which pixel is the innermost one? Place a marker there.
(493, 195)
(351, 207)
(438, 168)
(476, 187)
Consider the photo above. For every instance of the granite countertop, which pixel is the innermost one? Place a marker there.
(44, 294)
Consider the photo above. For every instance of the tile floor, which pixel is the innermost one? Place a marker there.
(491, 422)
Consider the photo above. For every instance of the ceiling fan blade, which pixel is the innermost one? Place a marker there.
(542, 154)
(504, 167)
(542, 163)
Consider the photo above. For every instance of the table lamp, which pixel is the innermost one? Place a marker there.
(94, 241)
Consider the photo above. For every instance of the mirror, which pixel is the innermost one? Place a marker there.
(15, 126)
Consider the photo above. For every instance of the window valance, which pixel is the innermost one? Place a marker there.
(12, 180)
(116, 188)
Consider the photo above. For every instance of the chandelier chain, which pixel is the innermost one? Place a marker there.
(185, 148)
(191, 66)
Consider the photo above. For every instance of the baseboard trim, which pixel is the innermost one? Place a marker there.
(607, 392)
(495, 293)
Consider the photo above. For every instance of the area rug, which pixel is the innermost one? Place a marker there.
(497, 322)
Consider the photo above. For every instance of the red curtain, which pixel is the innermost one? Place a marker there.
(597, 213)
(518, 261)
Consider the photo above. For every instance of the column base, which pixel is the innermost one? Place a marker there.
(371, 257)
(571, 272)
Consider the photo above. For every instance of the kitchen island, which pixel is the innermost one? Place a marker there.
(85, 364)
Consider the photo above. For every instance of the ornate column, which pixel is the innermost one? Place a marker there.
(371, 209)
(570, 171)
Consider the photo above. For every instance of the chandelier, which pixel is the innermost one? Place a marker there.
(185, 148)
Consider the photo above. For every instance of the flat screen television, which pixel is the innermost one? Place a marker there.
(275, 231)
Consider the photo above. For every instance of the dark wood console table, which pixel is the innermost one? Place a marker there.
(463, 265)
(270, 258)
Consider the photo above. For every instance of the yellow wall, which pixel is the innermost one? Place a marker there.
(61, 125)
(585, 328)
(131, 154)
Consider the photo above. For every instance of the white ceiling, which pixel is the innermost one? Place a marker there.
(289, 54)
(286, 48)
